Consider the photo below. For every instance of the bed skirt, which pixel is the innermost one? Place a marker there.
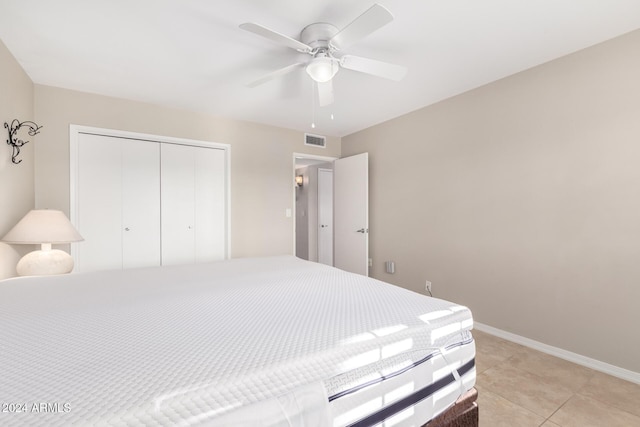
(464, 413)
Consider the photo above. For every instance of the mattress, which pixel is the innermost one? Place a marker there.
(260, 341)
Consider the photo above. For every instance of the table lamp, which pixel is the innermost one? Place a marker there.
(44, 227)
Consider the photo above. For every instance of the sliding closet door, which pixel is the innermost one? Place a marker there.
(192, 204)
(140, 203)
(210, 205)
(118, 207)
(177, 204)
(99, 203)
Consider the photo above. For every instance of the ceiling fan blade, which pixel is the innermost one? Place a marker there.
(276, 37)
(325, 93)
(373, 18)
(275, 74)
(374, 67)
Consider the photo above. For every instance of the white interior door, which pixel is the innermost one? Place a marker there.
(210, 204)
(351, 215)
(177, 204)
(193, 204)
(118, 208)
(325, 216)
(99, 217)
(140, 203)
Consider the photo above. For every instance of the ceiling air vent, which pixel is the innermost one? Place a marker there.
(315, 140)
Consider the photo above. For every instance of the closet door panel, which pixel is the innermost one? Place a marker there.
(140, 203)
(177, 204)
(210, 204)
(100, 203)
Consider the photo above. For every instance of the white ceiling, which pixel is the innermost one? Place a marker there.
(190, 54)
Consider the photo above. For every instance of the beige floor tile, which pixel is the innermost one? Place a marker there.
(552, 369)
(486, 360)
(524, 389)
(496, 411)
(519, 386)
(490, 350)
(498, 346)
(613, 391)
(581, 411)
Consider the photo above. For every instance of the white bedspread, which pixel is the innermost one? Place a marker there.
(203, 344)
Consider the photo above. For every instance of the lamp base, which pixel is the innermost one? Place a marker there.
(45, 262)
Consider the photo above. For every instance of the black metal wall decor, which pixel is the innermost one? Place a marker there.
(15, 143)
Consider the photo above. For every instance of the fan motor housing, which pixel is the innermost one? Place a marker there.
(318, 35)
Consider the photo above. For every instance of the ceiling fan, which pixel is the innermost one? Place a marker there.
(322, 41)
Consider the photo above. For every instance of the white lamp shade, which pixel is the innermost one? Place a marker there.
(43, 226)
(322, 69)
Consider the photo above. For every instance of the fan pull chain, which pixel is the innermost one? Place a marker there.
(313, 104)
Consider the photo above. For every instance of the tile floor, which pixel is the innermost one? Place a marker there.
(521, 387)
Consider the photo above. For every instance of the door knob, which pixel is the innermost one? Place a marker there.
(127, 229)
(362, 230)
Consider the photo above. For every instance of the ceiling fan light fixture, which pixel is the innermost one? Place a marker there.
(322, 69)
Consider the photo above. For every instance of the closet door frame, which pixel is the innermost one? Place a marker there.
(74, 140)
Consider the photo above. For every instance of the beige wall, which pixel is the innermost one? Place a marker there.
(261, 159)
(16, 181)
(521, 199)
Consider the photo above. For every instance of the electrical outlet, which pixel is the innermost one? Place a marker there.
(427, 286)
(370, 262)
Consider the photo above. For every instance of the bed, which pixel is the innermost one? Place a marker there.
(273, 341)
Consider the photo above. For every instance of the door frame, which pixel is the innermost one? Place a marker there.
(326, 159)
(74, 141)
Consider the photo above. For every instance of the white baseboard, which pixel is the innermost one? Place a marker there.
(579, 359)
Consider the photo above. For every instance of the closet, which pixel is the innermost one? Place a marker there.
(141, 200)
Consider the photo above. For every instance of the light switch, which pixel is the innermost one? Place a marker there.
(287, 213)
(390, 267)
